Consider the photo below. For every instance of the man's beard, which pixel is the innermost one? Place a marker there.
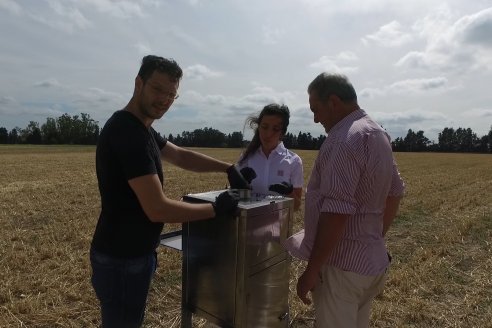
(150, 111)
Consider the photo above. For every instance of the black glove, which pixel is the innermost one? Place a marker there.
(236, 179)
(283, 188)
(226, 203)
(248, 173)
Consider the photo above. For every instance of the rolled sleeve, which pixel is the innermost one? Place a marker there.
(297, 178)
(338, 206)
(397, 188)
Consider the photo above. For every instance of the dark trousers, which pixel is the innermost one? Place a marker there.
(122, 286)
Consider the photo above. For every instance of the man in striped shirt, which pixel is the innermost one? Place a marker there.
(351, 199)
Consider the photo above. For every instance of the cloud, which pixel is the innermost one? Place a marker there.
(195, 2)
(11, 6)
(224, 110)
(200, 72)
(397, 124)
(68, 18)
(272, 35)
(6, 100)
(196, 97)
(408, 117)
(337, 64)
(120, 8)
(181, 36)
(388, 35)
(476, 29)
(460, 46)
(12, 107)
(103, 96)
(417, 85)
(143, 49)
(478, 113)
(407, 86)
(49, 83)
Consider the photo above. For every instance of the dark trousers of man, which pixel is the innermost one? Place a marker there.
(122, 286)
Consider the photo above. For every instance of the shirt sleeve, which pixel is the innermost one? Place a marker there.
(297, 176)
(134, 151)
(397, 188)
(161, 141)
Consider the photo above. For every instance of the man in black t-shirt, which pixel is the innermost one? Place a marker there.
(133, 204)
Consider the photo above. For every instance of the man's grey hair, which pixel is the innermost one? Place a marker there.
(326, 84)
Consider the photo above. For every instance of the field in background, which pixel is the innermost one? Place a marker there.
(49, 202)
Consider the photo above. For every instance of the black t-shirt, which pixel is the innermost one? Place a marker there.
(126, 149)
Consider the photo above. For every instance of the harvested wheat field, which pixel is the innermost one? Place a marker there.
(49, 202)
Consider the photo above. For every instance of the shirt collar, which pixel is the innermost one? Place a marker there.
(354, 116)
(280, 149)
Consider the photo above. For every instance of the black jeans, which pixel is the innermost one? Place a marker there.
(122, 286)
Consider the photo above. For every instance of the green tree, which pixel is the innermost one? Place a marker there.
(398, 144)
(32, 134)
(14, 135)
(490, 140)
(235, 140)
(65, 125)
(446, 139)
(4, 136)
(49, 132)
(465, 140)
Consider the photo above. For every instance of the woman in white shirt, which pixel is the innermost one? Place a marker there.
(278, 170)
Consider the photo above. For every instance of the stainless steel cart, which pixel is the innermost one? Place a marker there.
(235, 271)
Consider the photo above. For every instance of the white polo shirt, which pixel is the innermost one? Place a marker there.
(281, 165)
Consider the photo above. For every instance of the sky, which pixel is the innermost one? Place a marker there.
(420, 64)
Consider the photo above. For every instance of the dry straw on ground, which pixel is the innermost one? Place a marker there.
(441, 242)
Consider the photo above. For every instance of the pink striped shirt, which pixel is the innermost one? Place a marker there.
(353, 174)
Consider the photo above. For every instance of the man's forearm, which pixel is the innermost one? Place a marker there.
(390, 211)
(198, 162)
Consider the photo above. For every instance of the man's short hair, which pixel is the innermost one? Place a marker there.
(153, 63)
(326, 84)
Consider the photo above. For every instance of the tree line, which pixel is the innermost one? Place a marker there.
(460, 140)
(83, 130)
(66, 129)
(209, 137)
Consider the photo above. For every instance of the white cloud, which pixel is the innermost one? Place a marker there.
(272, 35)
(49, 83)
(337, 64)
(195, 2)
(478, 113)
(68, 18)
(12, 107)
(11, 6)
(476, 29)
(389, 35)
(180, 35)
(143, 49)
(120, 8)
(409, 117)
(397, 124)
(239, 57)
(408, 86)
(7, 101)
(200, 72)
(461, 46)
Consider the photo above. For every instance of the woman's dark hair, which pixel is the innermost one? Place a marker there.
(153, 63)
(254, 121)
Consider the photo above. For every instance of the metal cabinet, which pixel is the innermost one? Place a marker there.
(235, 271)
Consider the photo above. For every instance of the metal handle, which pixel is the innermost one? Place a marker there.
(283, 316)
